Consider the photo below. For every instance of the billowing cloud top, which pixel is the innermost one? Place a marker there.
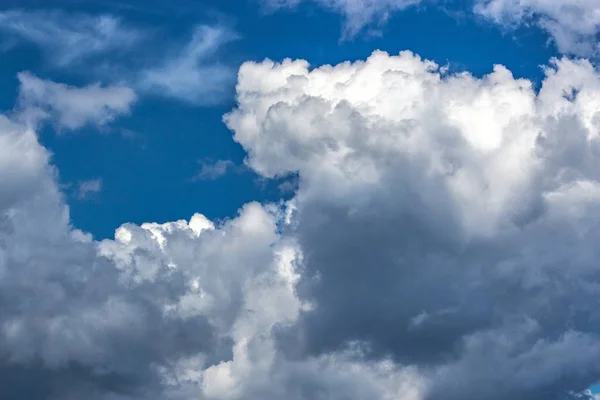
(447, 221)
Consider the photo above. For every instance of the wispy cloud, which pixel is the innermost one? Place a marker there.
(72, 107)
(574, 25)
(211, 170)
(358, 14)
(86, 189)
(192, 74)
(68, 39)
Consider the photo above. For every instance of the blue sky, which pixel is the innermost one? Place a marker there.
(304, 199)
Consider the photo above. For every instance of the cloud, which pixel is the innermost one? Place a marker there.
(358, 14)
(193, 74)
(82, 318)
(71, 107)
(441, 243)
(85, 189)
(573, 25)
(164, 311)
(447, 222)
(69, 38)
(214, 170)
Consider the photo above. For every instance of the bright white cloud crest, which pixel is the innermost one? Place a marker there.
(442, 244)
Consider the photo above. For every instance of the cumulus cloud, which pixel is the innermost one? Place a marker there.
(69, 38)
(73, 107)
(114, 318)
(446, 222)
(357, 13)
(441, 244)
(193, 74)
(166, 311)
(574, 25)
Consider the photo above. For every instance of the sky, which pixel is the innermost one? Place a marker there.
(299, 199)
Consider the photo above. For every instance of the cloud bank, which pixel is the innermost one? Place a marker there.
(441, 244)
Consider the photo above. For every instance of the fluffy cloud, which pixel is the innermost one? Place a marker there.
(442, 243)
(71, 107)
(357, 13)
(446, 221)
(573, 24)
(192, 74)
(68, 39)
(173, 311)
(82, 318)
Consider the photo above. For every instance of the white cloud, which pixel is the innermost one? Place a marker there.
(193, 74)
(87, 188)
(471, 201)
(442, 243)
(72, 107)
(574, 25)
(68, 39)
(214, 170)
(357, 13)
(169, 311)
